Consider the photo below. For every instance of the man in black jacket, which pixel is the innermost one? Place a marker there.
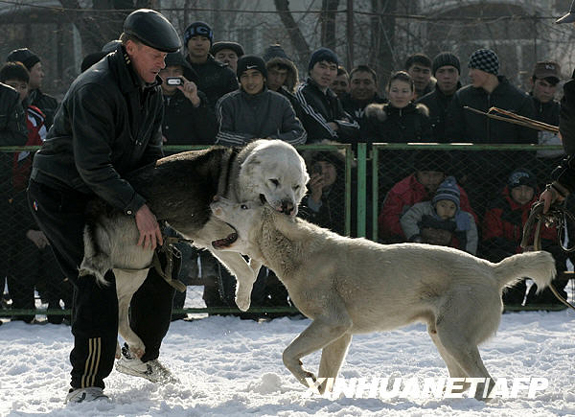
(563, 177)
(36, 97)
(108, 125)
(446, 69)
(215, 78)
(323, 116)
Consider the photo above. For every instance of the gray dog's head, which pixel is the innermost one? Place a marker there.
(274, 173)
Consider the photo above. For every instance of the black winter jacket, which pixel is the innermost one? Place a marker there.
(185, 124)
(46, 103)
(437, 102)
(357, 108)
(106, 126)
(215, 79)
(386, 123)
(466, 126)
(13, 130)
(319, 109)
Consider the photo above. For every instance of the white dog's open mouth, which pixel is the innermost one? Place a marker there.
(227, 241)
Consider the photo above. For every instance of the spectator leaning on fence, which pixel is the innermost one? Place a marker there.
(418, 66)
(446, 69)
(503, 229)
(36, 97)
(400, 120)
(441, 220)
(215, 79)
(254, 112)
(363, 88)
(323, 116)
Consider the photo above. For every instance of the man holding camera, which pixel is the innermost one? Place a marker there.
(188, 119)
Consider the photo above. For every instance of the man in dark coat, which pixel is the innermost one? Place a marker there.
(108, 125)
(215, 78)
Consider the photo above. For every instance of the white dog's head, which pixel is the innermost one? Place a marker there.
(242, 217)
(274, 173)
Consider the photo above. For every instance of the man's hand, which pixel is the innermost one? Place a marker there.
(551, 195)
(150, 235)
(316, 187)
(38, 238)
(190, 90)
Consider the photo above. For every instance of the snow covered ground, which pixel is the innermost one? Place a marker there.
(233, 367)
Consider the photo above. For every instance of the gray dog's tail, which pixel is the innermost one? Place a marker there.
(539, 266)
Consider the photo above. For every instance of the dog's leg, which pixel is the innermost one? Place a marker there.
(127, 283)
(320, 333)
(465, 356)
(245, 276)
(332, 357)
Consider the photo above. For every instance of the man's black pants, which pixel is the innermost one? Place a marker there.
(60, 215)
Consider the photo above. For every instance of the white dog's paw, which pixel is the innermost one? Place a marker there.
(243, 302)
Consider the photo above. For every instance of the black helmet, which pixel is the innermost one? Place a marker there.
(153, 29)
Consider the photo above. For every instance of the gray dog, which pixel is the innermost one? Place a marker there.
(179, 190)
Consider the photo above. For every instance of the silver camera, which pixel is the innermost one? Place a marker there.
(174, 81)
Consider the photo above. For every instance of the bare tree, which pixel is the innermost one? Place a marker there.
(103, 22)
(383, 37)
(328, 22)
(296, 37)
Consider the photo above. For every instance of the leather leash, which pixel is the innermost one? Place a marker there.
(555, 216)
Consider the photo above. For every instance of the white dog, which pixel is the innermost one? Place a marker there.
(179, 190)
(348, 286)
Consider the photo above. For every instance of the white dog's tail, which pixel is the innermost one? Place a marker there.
(539, 266)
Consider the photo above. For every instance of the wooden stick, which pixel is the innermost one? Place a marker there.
(516, 119)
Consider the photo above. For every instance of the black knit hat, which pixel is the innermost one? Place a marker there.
(198, 29)
(234, 46)
(274, 51)
(443, 59)
(247, 62)
(322, 54)
(25, 56)
(521, 176)
(153, 30)
(177, 59)
(484, 60)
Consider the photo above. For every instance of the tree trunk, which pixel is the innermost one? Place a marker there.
(383, 34)
(296, 37)
(328, 25)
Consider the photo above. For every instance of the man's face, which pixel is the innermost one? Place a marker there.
(447, 78)
(147, 61)
(323, 73)
(430, 179)
(276, 78)
(199, 47)
(543, 90)
(36, 76)
(229, 57)
(421, 76)
(252, 81)
(170, 72)
(362, 86)
(20, 86)
(340, 85)
(478, 77)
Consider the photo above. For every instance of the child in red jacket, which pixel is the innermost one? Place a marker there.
(503, 230)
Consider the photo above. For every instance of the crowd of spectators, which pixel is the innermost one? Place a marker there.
(215, 93)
